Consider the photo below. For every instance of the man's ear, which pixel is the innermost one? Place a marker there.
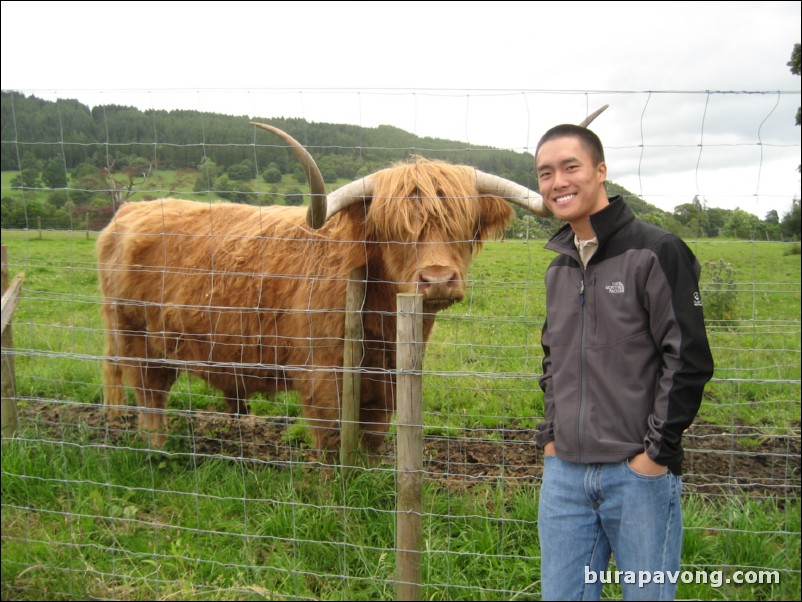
(602, 168)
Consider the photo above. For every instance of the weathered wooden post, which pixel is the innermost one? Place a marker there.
(409, 385)
(8, 409)
(352, 360)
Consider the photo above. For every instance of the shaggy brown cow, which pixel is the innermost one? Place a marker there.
(251, 299)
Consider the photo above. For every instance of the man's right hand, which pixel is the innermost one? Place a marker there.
(549, 449)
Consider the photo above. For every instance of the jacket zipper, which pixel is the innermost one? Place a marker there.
(582, 369)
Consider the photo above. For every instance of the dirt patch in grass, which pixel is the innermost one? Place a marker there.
(718, 460)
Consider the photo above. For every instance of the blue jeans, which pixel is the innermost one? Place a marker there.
(588, 511)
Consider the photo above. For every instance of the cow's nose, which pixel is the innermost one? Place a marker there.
(437, 275)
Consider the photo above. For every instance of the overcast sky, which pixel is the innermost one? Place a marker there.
(681, 78)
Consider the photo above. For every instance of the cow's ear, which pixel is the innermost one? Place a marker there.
(495, 216)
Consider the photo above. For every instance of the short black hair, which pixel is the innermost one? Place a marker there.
(587, 138)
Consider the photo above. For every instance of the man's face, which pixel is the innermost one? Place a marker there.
(571, 185)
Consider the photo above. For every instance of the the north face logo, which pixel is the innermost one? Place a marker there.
(615, 288)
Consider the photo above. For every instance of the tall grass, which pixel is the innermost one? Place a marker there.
(87, 512)
(85, 521)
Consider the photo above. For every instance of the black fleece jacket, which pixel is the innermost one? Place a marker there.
(626, 352)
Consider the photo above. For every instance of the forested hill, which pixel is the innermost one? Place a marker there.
(181, 139)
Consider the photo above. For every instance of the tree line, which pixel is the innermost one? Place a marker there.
(83, 158)
(178, 139)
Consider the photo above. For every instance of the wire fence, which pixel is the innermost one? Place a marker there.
(243, 506)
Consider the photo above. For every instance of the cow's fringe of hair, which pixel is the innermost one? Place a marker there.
(424, 194)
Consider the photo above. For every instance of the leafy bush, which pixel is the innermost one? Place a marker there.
(271, 175)
(721, 296)
(294, 197)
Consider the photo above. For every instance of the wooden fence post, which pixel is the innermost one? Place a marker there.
(409, 385)
(8, 407)
(352, 360)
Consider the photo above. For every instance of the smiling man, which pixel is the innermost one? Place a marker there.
(626, 359)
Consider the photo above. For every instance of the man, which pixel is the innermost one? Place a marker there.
(626, 359)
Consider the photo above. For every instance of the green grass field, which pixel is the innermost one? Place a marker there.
(89, 513)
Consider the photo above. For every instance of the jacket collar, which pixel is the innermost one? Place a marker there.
(605, 223)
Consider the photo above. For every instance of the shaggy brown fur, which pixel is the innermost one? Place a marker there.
(252, 300)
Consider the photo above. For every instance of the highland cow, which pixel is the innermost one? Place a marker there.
(252, 299)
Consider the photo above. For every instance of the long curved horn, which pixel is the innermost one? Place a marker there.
(514, 193)
(350, 194)
(485, 184)
(316, 213)
(586, 121)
